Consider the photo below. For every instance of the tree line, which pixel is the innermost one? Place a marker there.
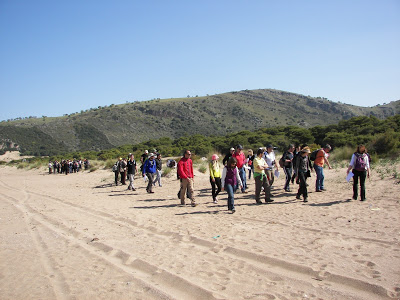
(382, 138)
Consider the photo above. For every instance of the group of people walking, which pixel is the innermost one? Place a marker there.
(297, 164)
(150, 169)
(67, 166)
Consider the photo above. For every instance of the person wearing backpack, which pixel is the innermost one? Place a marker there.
(320, 159)
(269, 157)
(359, 165)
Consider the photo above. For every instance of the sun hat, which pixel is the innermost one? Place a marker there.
(232, 149)
(214, 157)
(306, 149)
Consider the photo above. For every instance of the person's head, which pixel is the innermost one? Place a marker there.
(131, 156)
(260, 152)
(250, 152)
(146, 151)
(158, 155)
(187, 153)
(239, 148)
(232, 150)
(214, 157)
(120, 158)
(305, 151)
(270, 148)
(231, 162)
(361, 148)
(291, 148)
(327, 148)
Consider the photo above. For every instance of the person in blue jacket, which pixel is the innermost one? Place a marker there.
(150, 170)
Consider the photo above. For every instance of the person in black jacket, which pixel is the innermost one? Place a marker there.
(132, 169)
(288, 166)
(226, 158)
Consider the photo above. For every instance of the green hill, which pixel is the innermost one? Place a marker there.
(131, 123)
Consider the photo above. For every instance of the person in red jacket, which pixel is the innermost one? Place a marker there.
(240, 158)
(185, 173)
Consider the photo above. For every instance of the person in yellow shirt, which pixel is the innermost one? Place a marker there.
(261, 178)
(215, 177)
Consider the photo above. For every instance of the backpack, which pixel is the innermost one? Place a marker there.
(281, 162)
(313, 154)
(360, 162)
(115, 168)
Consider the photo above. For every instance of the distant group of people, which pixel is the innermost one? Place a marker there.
(297, 163)
(67, 166)
(150, 169)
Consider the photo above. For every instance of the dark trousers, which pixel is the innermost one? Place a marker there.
(150, 177)
(288, 173)
(215, 187)
(262, 181)
(123, 177)
(116, 177)
(359, 175)
(303, 185)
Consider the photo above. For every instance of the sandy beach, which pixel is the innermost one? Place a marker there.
(79, 236)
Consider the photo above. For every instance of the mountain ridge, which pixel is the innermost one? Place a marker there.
(135, 122)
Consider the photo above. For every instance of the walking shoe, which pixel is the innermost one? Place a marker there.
(354, 198)
(233, 210)
(133, 189)
(298, 197)
(215, 201)
(258, 202)
(323, 190)
(305, 199)
(194, 204)
(363, 199)
(318, 191)
(244, 192)
(269, 201)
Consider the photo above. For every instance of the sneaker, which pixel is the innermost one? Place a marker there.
(233, 210)
(298, 197)
(215, 201)
(269, 201)
(194, 204)
(133, 189)
(305, 200)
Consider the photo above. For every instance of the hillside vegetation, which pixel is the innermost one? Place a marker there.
(218, 115)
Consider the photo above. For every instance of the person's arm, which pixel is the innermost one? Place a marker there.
(239, 180)
(351, 165)
(223, 178)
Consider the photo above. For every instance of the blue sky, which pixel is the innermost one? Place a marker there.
(59, 57)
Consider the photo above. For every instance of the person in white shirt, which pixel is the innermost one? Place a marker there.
(359, 165)
(269, 157)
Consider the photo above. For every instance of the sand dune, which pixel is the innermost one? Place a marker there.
(81, 237)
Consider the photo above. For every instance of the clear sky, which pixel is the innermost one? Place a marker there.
(59, 57)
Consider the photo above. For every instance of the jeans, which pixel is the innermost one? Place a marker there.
(231, 198)
(362, 175)
(319, 183)
(242, 174)
(288, 173)
(158, 178)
